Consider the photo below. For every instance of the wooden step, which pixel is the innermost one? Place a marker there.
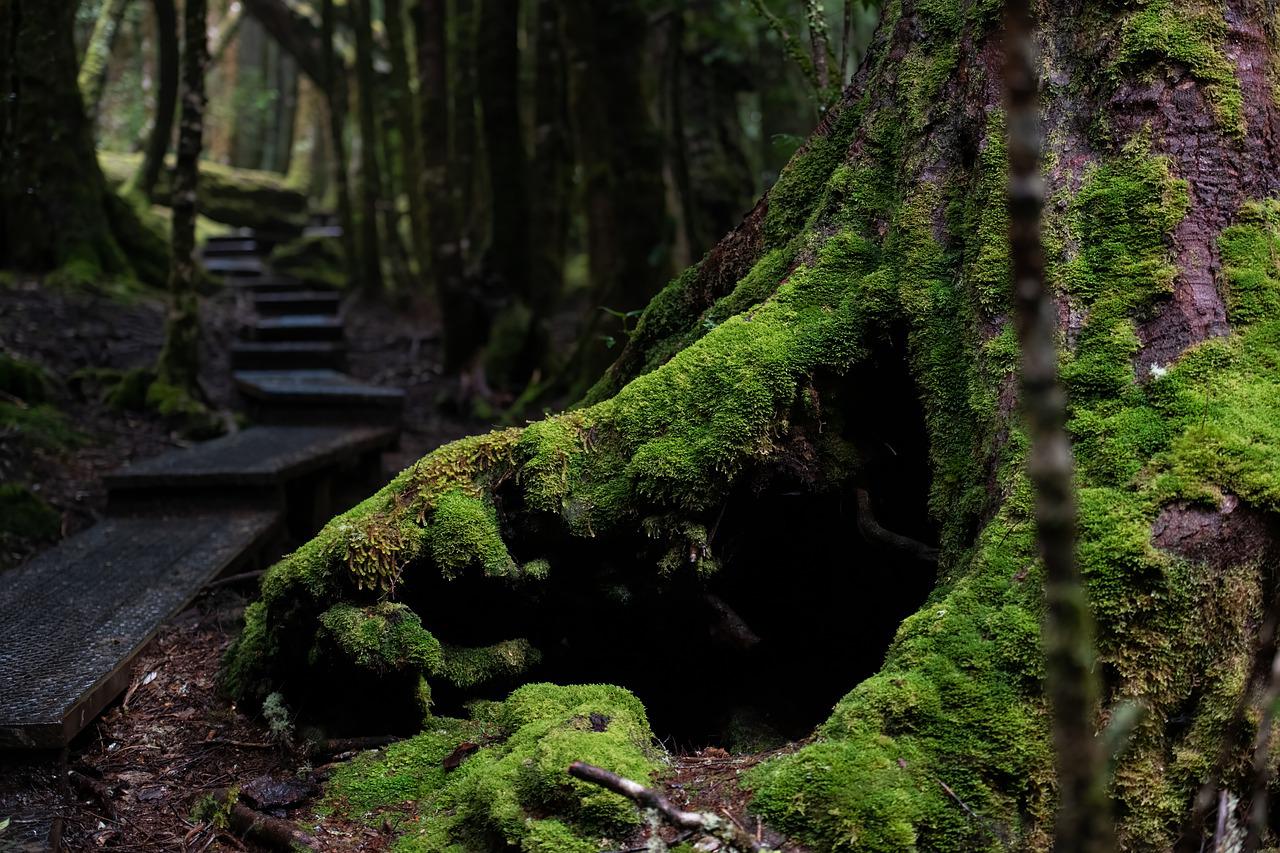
(235, 267)
(234, 248)
(261, 457)
(288, 355)
(269, 283)
(76, 616)
(297, 302)
(316, 396)
(297, 327)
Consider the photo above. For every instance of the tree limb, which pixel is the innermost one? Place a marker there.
(723, 830)
(295, 33)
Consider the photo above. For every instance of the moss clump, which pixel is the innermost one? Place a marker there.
(243, 198)
(799, 186)
(1162, 30)
(464, 532)
(1251, 263)
(469, 667)
(514, 791)
(23, 515)
(385, 638)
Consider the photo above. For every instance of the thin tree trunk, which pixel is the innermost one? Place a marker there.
(370, 175)
(228, 28)
(335, 90)
(93, 68)
(401, 97)
(464, 138)
(552, 162)
(179, 359)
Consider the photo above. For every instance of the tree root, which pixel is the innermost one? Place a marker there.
(871, 529)
(267, 830)
(722, 829)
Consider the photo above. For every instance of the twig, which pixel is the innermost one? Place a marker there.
(726, 831)
(871, 529)
(232, 579)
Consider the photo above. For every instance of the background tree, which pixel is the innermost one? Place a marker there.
(370, 269)
(166, 103)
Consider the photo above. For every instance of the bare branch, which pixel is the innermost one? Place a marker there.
(1084, 822)
(871, 529)
(718, 827)
(790, 45)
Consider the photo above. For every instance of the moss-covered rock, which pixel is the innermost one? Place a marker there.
(243, 198)
(499, 796)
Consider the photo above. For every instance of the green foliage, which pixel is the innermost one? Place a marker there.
(505, 792)
(23, 379)
(1191, 34)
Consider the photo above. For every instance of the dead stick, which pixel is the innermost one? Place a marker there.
(651, 798)
(265, 829)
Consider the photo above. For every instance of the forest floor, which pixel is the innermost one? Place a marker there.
(130, 781)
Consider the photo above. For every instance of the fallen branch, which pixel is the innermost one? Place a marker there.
(272, 831)
(337, 746)
(726, 831)
(871, 529)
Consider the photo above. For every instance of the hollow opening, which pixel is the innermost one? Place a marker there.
(802, 607)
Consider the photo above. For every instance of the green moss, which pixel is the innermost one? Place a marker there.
(469, 667)
(42, 426)
(464, 532)
(1191, 35)
(1250, 255)
(798, 189)
(988, 271)
(315, 260)
(515, 789)
(23, 515)
(384, 638)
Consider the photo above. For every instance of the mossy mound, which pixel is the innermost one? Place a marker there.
(244, 198)
(500, 796)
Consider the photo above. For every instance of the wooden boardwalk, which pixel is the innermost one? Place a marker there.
(79, 614)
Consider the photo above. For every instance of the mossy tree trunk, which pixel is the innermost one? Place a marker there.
(93, 68)
(179, 359)
(166, 106)
(54, 206)
(370, 267)
(853, 337)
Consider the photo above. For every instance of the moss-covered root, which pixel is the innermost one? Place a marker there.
(514, 790)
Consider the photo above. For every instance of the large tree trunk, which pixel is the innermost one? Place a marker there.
(179, 359)
(845, 361)
(54, 207)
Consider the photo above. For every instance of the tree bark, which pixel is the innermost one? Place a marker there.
(370, 252)
(552, 163)
(179, 359)
(53, 200)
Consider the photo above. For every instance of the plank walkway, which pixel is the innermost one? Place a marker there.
(79, 614)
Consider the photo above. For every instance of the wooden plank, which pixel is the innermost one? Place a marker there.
(288, 355)
(258, 457)
(298, 327)
(77, 616)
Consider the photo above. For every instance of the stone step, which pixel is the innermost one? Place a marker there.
(289, 467)
(76, 616)
(298, 327)
(314, 396)
(297, 302)
(288, 355)
(235, 267)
